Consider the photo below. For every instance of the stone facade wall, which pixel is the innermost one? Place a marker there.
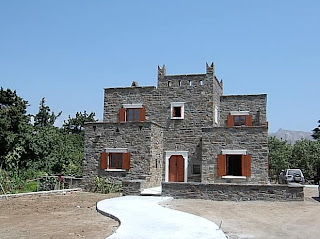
(114, 98)
(200, 98)
(252, 139)
(256, 104)
(132, 187)
(233, 192)
(136, 137)
(156, 162)
(199, 133)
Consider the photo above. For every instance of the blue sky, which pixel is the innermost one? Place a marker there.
(68, 51)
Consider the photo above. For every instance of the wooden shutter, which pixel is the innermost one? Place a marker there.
(246, 165)
(222, 165)
(126, 161)
(104, 160)
(173, 112)
(249, 120)
(230, 121)
(122, 115)
(142, 114)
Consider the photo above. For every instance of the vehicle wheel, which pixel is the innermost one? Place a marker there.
(297, 178)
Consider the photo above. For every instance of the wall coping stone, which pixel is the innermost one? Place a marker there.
(249, 95)
(209, 129)
(99, 123)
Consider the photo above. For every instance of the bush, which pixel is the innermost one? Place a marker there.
(105, 185)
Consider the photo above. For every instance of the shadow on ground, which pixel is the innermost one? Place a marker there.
(316, 198)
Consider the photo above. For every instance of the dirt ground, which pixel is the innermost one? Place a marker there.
(74, 216)
(57, 216)
(260, 219)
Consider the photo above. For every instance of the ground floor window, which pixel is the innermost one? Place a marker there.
(234, 165)
(196, 169)
(115, 160)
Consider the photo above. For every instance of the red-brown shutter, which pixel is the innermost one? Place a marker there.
(142, 114)
(122, 115)
(246, 165)
(173, 111)
(222, 165)
(230, 121)
(126, 161)
(104, 160)
(249, 120)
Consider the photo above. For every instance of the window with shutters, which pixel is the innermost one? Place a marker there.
(234, 165)
(115, 160)
(239, 118)
(132, 113)
(177, 110)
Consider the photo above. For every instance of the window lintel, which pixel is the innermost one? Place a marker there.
(132, 106)
(234, 151)
(116, 150)
(239, 112)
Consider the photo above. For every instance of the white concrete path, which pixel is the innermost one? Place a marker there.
(156, 191)
(142, 217)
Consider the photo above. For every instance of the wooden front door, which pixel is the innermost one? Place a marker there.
(176, 168)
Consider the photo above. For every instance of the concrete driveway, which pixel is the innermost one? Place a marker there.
(142, 217)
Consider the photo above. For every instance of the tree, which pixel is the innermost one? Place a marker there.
(45, 117)
(306, 156)
(316, 132)
(279, 155)
(14, 127)
(76, 125)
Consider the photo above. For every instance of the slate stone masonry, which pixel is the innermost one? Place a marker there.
(202, 132)
(233, 192)
(143, 141)
(252, 139)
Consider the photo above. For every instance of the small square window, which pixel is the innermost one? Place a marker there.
(196, 169)
(177, 110)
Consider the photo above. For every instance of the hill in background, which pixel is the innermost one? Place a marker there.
(291, 136)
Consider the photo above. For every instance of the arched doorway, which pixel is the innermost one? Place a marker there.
(176, 168)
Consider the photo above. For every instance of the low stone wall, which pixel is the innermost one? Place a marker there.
(132, 187)
(233, 192)
(47, 183)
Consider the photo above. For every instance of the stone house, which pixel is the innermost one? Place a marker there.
(183, 130)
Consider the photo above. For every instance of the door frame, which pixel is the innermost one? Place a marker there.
(184, 154)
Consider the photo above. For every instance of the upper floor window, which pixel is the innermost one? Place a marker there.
(177, 110)
(239, 118)
(132, 113)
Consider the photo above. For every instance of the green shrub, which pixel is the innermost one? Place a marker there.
(105, 185)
